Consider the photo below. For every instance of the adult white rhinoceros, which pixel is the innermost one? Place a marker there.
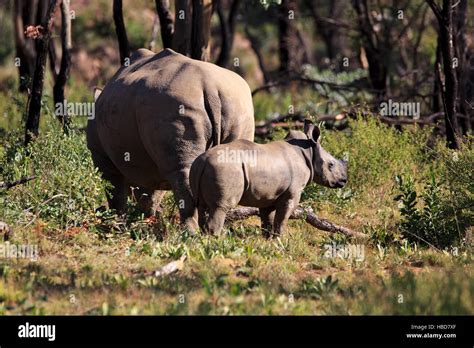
(155, 116)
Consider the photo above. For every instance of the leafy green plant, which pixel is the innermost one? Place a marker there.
(67, 188)
(380, 235)
(372, 161)
(434, 222)
(320, 287)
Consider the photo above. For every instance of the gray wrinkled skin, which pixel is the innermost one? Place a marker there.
(156, 116)
(271, 178)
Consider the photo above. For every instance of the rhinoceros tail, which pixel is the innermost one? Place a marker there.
(212, 104)
(195, 174)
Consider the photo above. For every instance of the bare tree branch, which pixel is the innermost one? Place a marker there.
(307, 80)
(435, 8)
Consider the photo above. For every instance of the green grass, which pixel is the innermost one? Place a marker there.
(80, 272)
(97, 263)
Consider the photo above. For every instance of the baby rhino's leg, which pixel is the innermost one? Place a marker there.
(225, 185)
(202, 211)
(216, 220)
(284, 209)
(267, 216)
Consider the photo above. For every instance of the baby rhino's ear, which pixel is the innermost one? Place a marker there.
(97, 92)
(311, 131)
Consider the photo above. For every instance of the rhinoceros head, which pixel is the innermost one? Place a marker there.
(328, 170)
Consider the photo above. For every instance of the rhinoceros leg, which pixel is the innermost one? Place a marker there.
(216, 220)
(267, 216)
(202, 210)
(117, 197)
(148, 200)
(184, 200)
(284, 209)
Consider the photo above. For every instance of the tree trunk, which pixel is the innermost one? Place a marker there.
(377, 49)
(25, 50)
(378, 72)
(52, 60)
(227, 31)
(166, 22)
(463, 73)
(121, 32)
(41, 9)
(287, 35)
(63, 75)
(255, 43)
(333, 41)
(451, 79)
(34, 106)
(201, 29)
(436, 105)
(450, 92)
(183, 27)
(154, 32)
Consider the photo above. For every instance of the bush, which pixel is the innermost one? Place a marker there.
(430, 224)
(375, 152)
(439, 215)
(441, 212)
(67, 188)
(456, 171)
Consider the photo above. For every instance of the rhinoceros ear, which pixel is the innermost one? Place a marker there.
(308, 128)
(311, 131)
(316, 133)
(97, 92)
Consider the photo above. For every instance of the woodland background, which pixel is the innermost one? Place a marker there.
(410, 190)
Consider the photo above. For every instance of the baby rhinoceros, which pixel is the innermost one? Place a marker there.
(269, 176)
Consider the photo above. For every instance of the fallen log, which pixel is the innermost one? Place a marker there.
(300, 213)
(306, 80)
(263, 128)
(297, 120)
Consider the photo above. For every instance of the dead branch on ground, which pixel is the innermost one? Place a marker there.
(299, 214)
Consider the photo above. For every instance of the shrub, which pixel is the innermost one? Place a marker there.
(67, 188)
(456, 171)
(430, 218)
(441, 213)
(375, 152)
(423, 224)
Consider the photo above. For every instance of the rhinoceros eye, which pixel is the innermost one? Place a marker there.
(330, 165)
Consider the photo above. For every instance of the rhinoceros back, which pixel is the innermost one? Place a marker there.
(157, 115)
